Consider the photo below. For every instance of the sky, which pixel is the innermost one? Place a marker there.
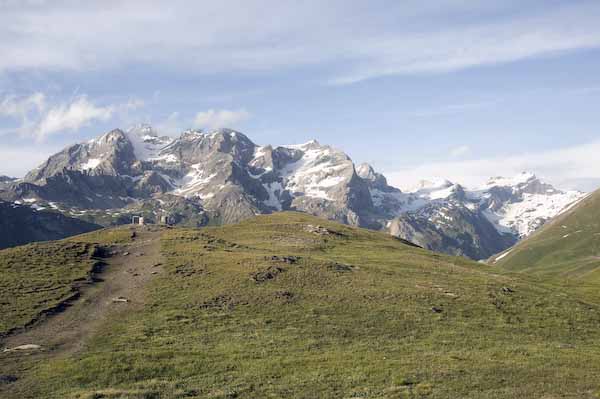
(455, 89)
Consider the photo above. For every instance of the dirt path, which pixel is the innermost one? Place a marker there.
(123, 277)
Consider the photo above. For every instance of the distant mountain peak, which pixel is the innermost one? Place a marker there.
(109, 137)
(521, 178)
(365, 171)
(142, 129)
(431, 185)
(146, 141)
(309, 145)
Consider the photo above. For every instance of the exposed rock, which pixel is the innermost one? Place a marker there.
(265, 275)
(7, 379)
(120, 299)
(340, 267)
(291, 260)
(25, 347)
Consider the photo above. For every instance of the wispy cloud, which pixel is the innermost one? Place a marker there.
(172, 125)
(460, 151)
(214, 119)
(71, 117)
(571, 167)
(21, 107)
(368, 42)
(456, 48)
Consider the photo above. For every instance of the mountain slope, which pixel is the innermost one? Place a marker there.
(568, 247)
(21, 224)
(288, 305)
(223, 177)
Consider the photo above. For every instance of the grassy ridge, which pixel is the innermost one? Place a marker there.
(280, 307)
(36, 278)
(39, 277)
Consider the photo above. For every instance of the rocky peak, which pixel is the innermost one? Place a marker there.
(366, 171)
(234, 143)
(431, 185)
(457, 193)
(521, 178)
(191, 134)
(376, 180)
(112, 137)
(309, 145)
(146, 142)
(195, 146)
(524, 183)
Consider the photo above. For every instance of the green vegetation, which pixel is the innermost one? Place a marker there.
(291, 306)
(37, 278)
(113, 236)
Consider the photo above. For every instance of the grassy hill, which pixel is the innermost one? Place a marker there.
(568, 248)
(36, 279)
(288, 305)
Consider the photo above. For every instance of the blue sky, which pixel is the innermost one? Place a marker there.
(457, 89)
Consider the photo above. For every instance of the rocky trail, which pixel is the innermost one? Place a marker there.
(118, 289)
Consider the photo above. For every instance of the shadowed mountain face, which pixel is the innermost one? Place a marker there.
(223, 177)
(21, 224)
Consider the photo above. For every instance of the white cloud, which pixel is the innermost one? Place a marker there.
(214, 119)
(460, 151)
(14, 106)
(172, 125)
(72, 116)
(367, 42)
(572, 167)
(38, 117)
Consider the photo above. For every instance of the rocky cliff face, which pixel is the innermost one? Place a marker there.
(223, 177)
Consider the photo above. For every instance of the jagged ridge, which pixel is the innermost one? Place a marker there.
(223, 177)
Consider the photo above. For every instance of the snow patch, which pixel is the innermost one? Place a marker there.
(91, 163)
(274, 190)
(194, 181)
(146, 143)
(525, 216)
(502, 256)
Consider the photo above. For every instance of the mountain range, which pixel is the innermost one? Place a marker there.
(221, 177)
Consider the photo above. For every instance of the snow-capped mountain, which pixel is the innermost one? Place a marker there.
(448, 217)
(223, 177)
(520, 205)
